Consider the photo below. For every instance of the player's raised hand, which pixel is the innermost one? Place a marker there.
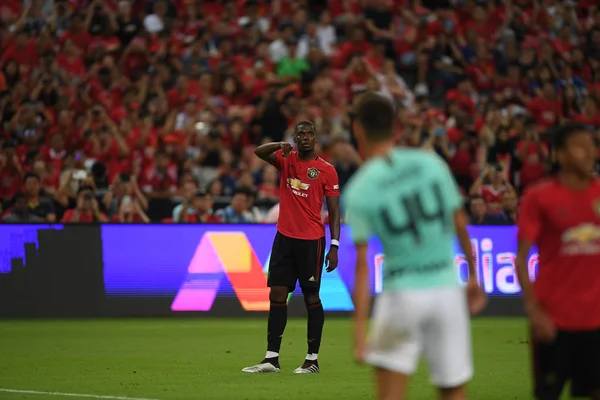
(476, 297)
(286, 149)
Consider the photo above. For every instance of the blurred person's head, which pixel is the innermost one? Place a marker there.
(245, 179)
(124, 9)
(39, 167)
(122, 185)
(372, 84)
(269, 175)
(160, 8)
(231, 86)
(205, 81)
(502, 134)
(202, 201)
(292, 45)
(239, 201)
(544, 74)
(215, 188)
(477, 207)
(357, 34)
(21, 38)
(575, 149)
(105, 77)
(11, 69)
(325, 18)
(162, 159)
(191, 106)
(225, 47)
(76, 23)
(20, 206)
(85, 197)
(548, 90)
(497, 175)
(31, 185)
(373, 123)
(464, 85)
(300, 17)
(57, 142)
(237, 128)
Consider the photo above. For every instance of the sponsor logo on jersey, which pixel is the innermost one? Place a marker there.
(581, 239)
(296, 185)
(597, 207)
(336, 187)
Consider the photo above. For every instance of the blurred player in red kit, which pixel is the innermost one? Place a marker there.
(562, 217)
(299, 245)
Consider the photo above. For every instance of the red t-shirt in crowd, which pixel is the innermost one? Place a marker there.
(134, 219)
(303, 185)
(83, 217)
(545, 112)
(491, 195)
(565, 226)
(195, 219)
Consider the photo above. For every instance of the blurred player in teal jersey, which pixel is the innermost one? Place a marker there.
(409, 200)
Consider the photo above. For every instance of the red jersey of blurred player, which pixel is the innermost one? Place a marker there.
(303, 184)
(565, 225)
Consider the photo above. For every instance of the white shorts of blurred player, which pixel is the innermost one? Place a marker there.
(432, 322)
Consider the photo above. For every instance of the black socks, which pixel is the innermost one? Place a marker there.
(276, 326)
(316, 320)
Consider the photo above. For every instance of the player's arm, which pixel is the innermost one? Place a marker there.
(529, 230)
(360, 226)
(332, 196)
(267, 152)
(461, 221)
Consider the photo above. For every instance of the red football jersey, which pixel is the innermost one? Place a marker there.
(491, 195)
(303, 184)
(565, 225)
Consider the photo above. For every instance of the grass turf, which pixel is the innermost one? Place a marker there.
(201, 359)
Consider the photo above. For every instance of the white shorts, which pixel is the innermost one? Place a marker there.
(435, 322)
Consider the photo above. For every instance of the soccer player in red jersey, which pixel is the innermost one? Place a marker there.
(299, 245)
(562, 217)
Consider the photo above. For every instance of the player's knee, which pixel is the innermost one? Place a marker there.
(311, 297)
(278, 294)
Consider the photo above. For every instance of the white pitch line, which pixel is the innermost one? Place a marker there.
(93, 396)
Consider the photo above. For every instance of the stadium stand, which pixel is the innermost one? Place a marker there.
(155, 107)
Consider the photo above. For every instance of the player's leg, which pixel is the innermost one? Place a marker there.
(391, 385)
(394, 344)
(585, 376)
(309, 256)
(552, 365)
(281, 280)
(447, 342)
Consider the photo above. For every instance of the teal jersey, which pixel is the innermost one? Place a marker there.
(407, 199)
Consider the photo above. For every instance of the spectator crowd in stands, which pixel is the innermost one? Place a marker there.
(149, 110)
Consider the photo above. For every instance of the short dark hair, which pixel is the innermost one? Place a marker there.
(17, 196)
(375, 114)
(565, 131)
(31, 175)
(246, 191)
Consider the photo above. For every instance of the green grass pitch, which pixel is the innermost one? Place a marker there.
(201, 359)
